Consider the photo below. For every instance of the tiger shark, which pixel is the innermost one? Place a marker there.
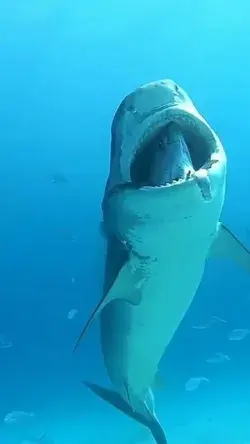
(161, 217)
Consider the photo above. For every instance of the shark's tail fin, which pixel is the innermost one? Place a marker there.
(149, 420)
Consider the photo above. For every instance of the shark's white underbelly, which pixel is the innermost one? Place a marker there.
(134, 337)
(167, 295)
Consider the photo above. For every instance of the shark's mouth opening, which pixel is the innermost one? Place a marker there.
(170, 156)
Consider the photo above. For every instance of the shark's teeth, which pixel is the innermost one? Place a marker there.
(201, 176)
(202, 179)
(179, 181)
(210, 163)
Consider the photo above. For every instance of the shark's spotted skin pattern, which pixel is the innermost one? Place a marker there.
(161, 211)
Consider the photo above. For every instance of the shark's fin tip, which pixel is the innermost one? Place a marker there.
(226, 245)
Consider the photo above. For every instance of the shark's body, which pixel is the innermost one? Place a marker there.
(161, 212)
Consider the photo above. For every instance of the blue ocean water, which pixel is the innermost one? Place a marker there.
(65, 67)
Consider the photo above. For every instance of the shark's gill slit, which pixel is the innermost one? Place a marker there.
(172, 154)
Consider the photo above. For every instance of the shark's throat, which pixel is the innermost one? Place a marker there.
(172, 156)
(172, 160)
(166, 158)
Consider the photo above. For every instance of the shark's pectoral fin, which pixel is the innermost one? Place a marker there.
(227, 246)
(127, 286)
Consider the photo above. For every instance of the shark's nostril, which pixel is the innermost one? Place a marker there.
(176, 88)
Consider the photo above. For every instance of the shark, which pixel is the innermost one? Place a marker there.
(161, 217)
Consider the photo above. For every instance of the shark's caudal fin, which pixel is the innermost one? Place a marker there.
(227, 246)
(127, 286)
(117, 401)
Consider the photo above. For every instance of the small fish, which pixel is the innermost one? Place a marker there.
(218, 358)
(193, 383)
(238, 334)
(72, 313)
(214, 320)
(16, 416)
(59, 178)
(4, 342)
(39, 439)
(217, 319)
(200, 327)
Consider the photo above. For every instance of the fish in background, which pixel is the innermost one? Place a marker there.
(161, 218)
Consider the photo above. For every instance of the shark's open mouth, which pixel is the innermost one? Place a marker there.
(172, 154)
(170, 145)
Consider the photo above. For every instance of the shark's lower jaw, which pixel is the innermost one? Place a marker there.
(170, 157)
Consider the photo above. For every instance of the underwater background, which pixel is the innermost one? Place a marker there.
(64, 69)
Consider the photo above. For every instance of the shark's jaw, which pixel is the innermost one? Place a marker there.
(159, 140)
(176, 147)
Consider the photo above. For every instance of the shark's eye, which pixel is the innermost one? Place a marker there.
(176, 88)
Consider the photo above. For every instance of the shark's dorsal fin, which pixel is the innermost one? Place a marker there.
(127, 286)
(227, 246)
